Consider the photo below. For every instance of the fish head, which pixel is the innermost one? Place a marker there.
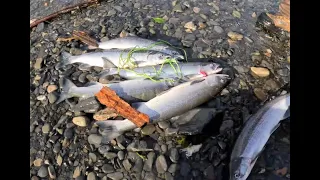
(211, 68)
(240, 168)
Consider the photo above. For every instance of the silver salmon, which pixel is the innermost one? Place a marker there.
(255, 134)
(112, 58)
(173, 102)
(130, 42)
(186, 71)
(130, 90)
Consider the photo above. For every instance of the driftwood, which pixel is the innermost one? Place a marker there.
(33, 23)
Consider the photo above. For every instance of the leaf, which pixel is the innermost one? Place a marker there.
(159, 20)
(236, 14)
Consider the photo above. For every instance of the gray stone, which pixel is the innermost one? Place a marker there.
(52, 172)
(40, 27)
(138, 165)
(43, 172)
(52, 97)
(218, 29)
(94, 139)
(68, 133)
(148, 129)
(93, 157)
(168, 176)
(161, 164)
(91, 176)
(173, 168)
(164, 148)
(127, 165)
(174, 155)
(170, 131)
(120, 155)
(107, 168)
(190, 37)
(149, 176)
(148, 163)
(163, 124)
(115, 176)
(104, 149)
(110, 155)
(46, 128)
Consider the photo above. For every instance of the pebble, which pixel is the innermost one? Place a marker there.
(270, 84)
(218, 29)
(227, 124)
(52, 88)
(283, 72)
(137, 5)
(170, 131)
(110, 155)
(168, 176)
(164, 148)
(259, 72)
(41, 98)
(52, 97)
(82, 78)
(80, 178)
(37, 162)
(148, 129)
(126, 164)
(202, 25)
(260, 94)
(148, 163)
(173, 168)
(177, 8)
(120, 155)
(91, 176)
(190, 25)
(94, 139)
(81, 121)
(107, 168)
(40, 27)
(76, 172)
(43, 172)
(34, 178)
(196, 10)
(52, 172)
(93, 157)
(185, 168)
(59, 160)
(111, 12)
(152, 31)
(38, 63)
(174, 155)
(68, 133)
(161, 164)
(104, 149)
(235, 36)
(163, 124)
(115, 176)
(46, 128)
(203, 16)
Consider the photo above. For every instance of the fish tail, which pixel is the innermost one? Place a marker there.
(66, 58)
(111, 129)
(65, 85)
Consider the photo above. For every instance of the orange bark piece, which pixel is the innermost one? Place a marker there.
(281, 22)
(109, 98)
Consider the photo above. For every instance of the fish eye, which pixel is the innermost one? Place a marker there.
(237, 175)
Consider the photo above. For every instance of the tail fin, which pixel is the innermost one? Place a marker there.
(111, 129)
(65, 85)
(65, 59)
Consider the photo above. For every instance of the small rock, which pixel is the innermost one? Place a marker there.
(81, 121)
(149, 176)
(91, 176)
(93, 157)
(111, 12)
(46, 128)
(161, 164)
(163, 124)
(52, 172)
(83, 77)
(202, 25)
(259, 72)
(76, 172)
(107, 168)
(148, 163)
(196, 10)
(164, 148)
(260, 94)
(174, 155)
(173, 168)
(283, 72)
(104, 149)
(185, 169)
(68, 133)
(152, 31)
(40, 27)
(218, 29)
(148, 129)
(190, 25)
(235, 36)
(209, 173)
(115, 176)
(52, 88)
(106, 79)
(137, 5)
(43, 172)
(227, 124)
(94, 139)
(127, 165)
(52, 97)
(222, 144)
(203, 16)
(236, 14)
(38, 63)
(37, 162)
(120, 155)
(253, 15)
(177, 8)
(41, 98)
(171, 131)
(59, 160)
(168, 176)
(270, 84)
(110, 155)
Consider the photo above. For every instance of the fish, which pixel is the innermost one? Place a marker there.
(129, 90)
(255, 134)
(112, 58)
(130, 42)
(173, 102)
(187, 71)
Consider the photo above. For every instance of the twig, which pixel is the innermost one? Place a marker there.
(62, 11)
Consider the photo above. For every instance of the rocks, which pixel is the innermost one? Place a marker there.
(148, 129)
(226, 125)
(196, 10)
(202, 25)
(107, 168)
(120, 155)
(163, 124)
(110, 155)
(177, 8)
(115, 176)
(270, 84)
(259, 72)
(91, 176)
(93, 157)
(185, 169)
(41, 98)
(173, 168)
(104, 149)
(68, 133)
(52, 88)
(260, 94)
(81, 121)
(94, 139)
(52, 97)
(52, 172)
(37, 162)
(171, 131)
(76, 172)
(235, 36)
(218, 29)
(46, 128)
(149, 176)
(149, 162)
(283, 72)
(43, 172)
(127, 165)
(174, 155)
(161, 164)
(168, 176)
(190, 26)
(38, 63)
(59, 160)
